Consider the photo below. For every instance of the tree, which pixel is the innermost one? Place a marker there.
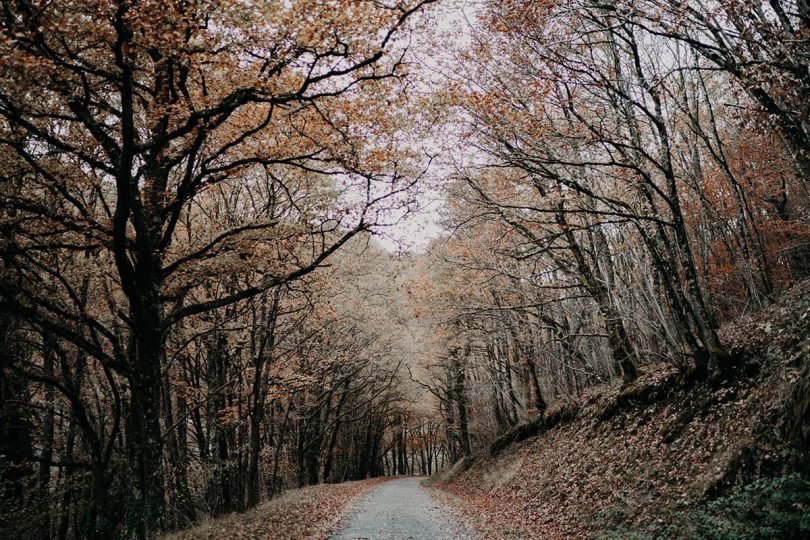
(581, 115)
(120, 116)
(763, 46)
(600, 216)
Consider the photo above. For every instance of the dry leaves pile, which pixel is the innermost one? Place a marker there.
(312, 512)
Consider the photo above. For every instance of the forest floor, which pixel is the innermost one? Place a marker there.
(401, 509)
(311, 512)
(666, 457)
(381, 508)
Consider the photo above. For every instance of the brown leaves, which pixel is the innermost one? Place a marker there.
(591, 476)
(311, 512)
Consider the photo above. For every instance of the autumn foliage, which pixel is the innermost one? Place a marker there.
(195, 313)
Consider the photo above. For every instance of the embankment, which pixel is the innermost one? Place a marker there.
(666, 457)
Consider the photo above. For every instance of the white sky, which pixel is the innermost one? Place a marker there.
(449, 24)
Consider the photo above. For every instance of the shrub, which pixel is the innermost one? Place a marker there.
(777, 508)
(769, 508)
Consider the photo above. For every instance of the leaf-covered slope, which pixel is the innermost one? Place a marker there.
(648, 457)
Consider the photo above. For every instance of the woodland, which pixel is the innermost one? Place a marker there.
(253, 246)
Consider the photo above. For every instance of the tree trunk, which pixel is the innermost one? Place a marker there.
(460, 377)
(620, 347)
(47, 436)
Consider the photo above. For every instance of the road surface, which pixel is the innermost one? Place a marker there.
(401, 509)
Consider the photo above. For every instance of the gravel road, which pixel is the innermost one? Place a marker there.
(400, 509)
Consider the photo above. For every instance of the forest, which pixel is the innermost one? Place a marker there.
(249, 247)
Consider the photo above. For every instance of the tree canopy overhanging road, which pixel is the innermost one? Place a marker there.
(208, 296)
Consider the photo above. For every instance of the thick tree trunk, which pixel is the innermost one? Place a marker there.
(15, 429)
(538, 403)
(67, 499)
(330, 451)
(262, 358)
(144, 439)
(282, 431)
(256, 417)
(219, 486)
(312, 448)
(182, 505)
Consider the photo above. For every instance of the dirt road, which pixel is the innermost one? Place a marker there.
(401, 509)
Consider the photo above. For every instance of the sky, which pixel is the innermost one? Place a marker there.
(450, 23)
(415, 231)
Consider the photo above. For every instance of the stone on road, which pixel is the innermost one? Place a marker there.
(401, 509)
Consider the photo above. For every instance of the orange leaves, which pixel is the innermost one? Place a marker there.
(759, 190)
(513, 16)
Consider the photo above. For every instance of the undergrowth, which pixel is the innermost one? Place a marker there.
(769, 508)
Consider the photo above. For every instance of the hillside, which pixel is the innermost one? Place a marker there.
(650, 458)
(556, 252)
